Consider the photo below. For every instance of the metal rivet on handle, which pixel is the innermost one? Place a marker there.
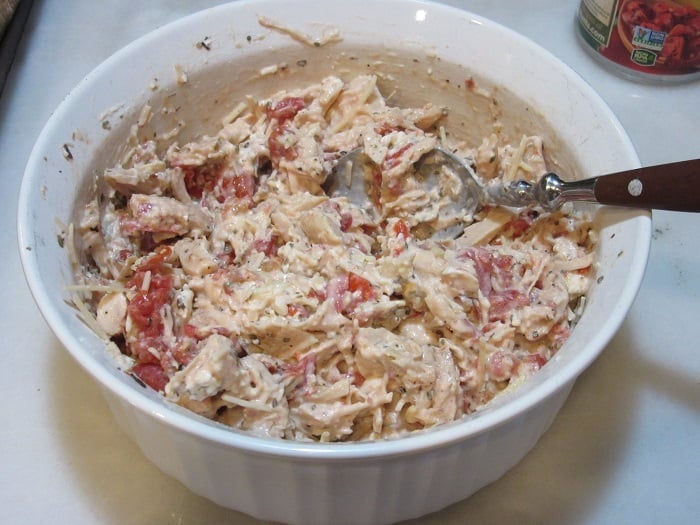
(635, 187)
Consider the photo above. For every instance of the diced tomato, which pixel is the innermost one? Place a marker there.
(184, 352)
(155, 261)
(201, 179)
(360, 288)
(345, 217)
(319, 296)
(359, 284)
(517, 227)
(401, 229)
(144, 308)
(278, 149)
(490, 268)
(151, 374)
(282, 111)
(680, 23)
(268, 246)
(674, 48)
(686, 12)
(189, 330)
(303, 367)
(401, 232)
(239, 185)
(693, 47)
(148, 348)
(636, 13)
(694, 24)
(482, 264)
(502, 262)
(682, 30)
(369, 229)
(217, 180)
(144, 311)
(286, 109)
(665, 21)
(503, 303)
(501, 365)
(502, 270)
(244, 185)
(537, 361)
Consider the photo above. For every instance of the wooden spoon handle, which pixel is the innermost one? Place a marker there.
(674, 186)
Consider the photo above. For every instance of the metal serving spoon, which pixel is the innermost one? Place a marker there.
(674, 186)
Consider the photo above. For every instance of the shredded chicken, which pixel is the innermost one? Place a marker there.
(236, 287)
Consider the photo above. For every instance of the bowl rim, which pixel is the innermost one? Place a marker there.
(410, 444)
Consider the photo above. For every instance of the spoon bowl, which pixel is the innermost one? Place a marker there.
(438, 171)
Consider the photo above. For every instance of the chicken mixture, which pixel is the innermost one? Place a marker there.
(233, 284)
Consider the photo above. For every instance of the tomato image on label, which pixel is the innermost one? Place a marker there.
(661, 37)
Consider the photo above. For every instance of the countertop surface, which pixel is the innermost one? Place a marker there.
(624, 449)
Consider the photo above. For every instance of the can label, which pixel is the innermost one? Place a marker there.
(659, 37)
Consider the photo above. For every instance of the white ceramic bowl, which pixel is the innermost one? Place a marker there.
(416, 47)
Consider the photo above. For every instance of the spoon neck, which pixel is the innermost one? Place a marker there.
(551, 192)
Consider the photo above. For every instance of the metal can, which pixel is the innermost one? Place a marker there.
(644, 39)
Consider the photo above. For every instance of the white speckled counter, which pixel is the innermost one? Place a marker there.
(624, 449)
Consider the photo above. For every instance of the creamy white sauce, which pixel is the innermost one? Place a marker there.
(251, 297)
